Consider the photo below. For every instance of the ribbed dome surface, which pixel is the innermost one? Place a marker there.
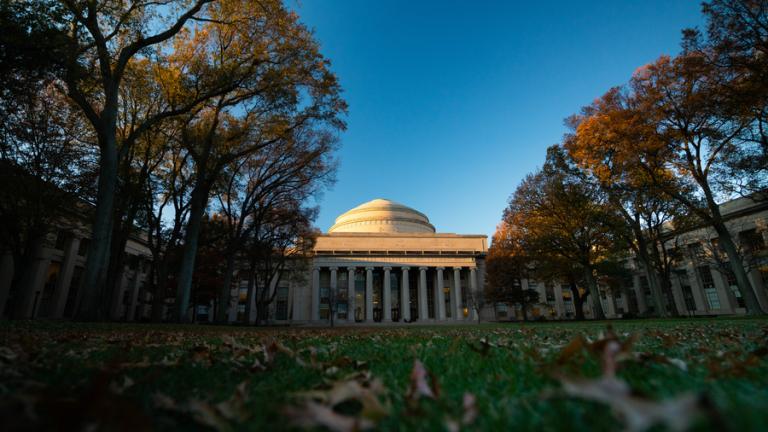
(382, 216)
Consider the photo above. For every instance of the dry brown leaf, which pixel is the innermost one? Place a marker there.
(312, 414)
(419, 386)
(638, 414)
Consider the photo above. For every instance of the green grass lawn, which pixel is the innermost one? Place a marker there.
(540, 376)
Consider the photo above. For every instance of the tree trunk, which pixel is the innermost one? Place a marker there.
(597, 308)
(225, 293)
(578, 302)
(737, 267)
(197, 207)
(653, 277)
(91, 305)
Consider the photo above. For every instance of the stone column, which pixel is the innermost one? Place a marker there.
(314, 313)
(439, 295)
(457, 294)
(333, 294)
(423, 307)
(639, 294)
(405, 303)
(726, 304)
(131, 315)
(369, 294)
(387, 317)
(559, 303)
(474, 313)
(351, 294)
(65, 278)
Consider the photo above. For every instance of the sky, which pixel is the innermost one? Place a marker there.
(452, 103)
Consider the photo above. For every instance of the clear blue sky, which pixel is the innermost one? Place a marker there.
(451, 103)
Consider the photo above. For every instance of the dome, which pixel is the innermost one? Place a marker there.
(382, 216)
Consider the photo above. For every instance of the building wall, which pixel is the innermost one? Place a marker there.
(52, 288)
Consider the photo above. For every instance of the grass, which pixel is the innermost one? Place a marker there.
(168, 377)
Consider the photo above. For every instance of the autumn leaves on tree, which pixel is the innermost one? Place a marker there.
(685, 133)
(181, 97)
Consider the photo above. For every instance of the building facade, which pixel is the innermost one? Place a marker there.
(385, 262)
(58, 263)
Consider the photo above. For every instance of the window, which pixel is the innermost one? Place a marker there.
(632, 301)
(644, 285)
(705, 274)
(708, 285)
(695, 250)
(61, 240)
(550, 290)
(501, 310)
(712, 299)
(730, 278)
(281, 305)
(82, 249)
(752, 240)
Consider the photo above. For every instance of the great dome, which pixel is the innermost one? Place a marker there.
(382, 216)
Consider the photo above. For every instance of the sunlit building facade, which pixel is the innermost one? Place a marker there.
(384, 262)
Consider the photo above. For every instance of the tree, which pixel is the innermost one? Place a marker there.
(288, 87)
(507, 266)
(561, 218)
(45, 174)
(101, 40)
(735, 45)
(44, 161)
(642, 209)
(695, 126)
(278, 176)
(285, 238)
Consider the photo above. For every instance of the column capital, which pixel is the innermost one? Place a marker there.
(405, 268)
(387, 268)
(423, 268)
(369, 268)
(316, 268)
(440, 268)
(333, 268)
(457, 268)
(351, 268)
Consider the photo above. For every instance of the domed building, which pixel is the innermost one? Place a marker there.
(384, 262)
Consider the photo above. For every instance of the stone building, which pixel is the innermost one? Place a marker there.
(52, 291)
(383, 262)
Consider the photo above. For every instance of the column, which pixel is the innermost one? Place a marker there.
(369, 294)
(423, 308)
(698, 294)
(559, 303)
(405, 303)
(457, 294)
(65, 278)
(351, 294)
(439, 295)
(314, 313)
(333, 294)
(723, 292)
(640, 295)
(475, 295)
(387, 317)
(131, 315)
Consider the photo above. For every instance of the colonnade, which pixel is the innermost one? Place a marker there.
(421, 302)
